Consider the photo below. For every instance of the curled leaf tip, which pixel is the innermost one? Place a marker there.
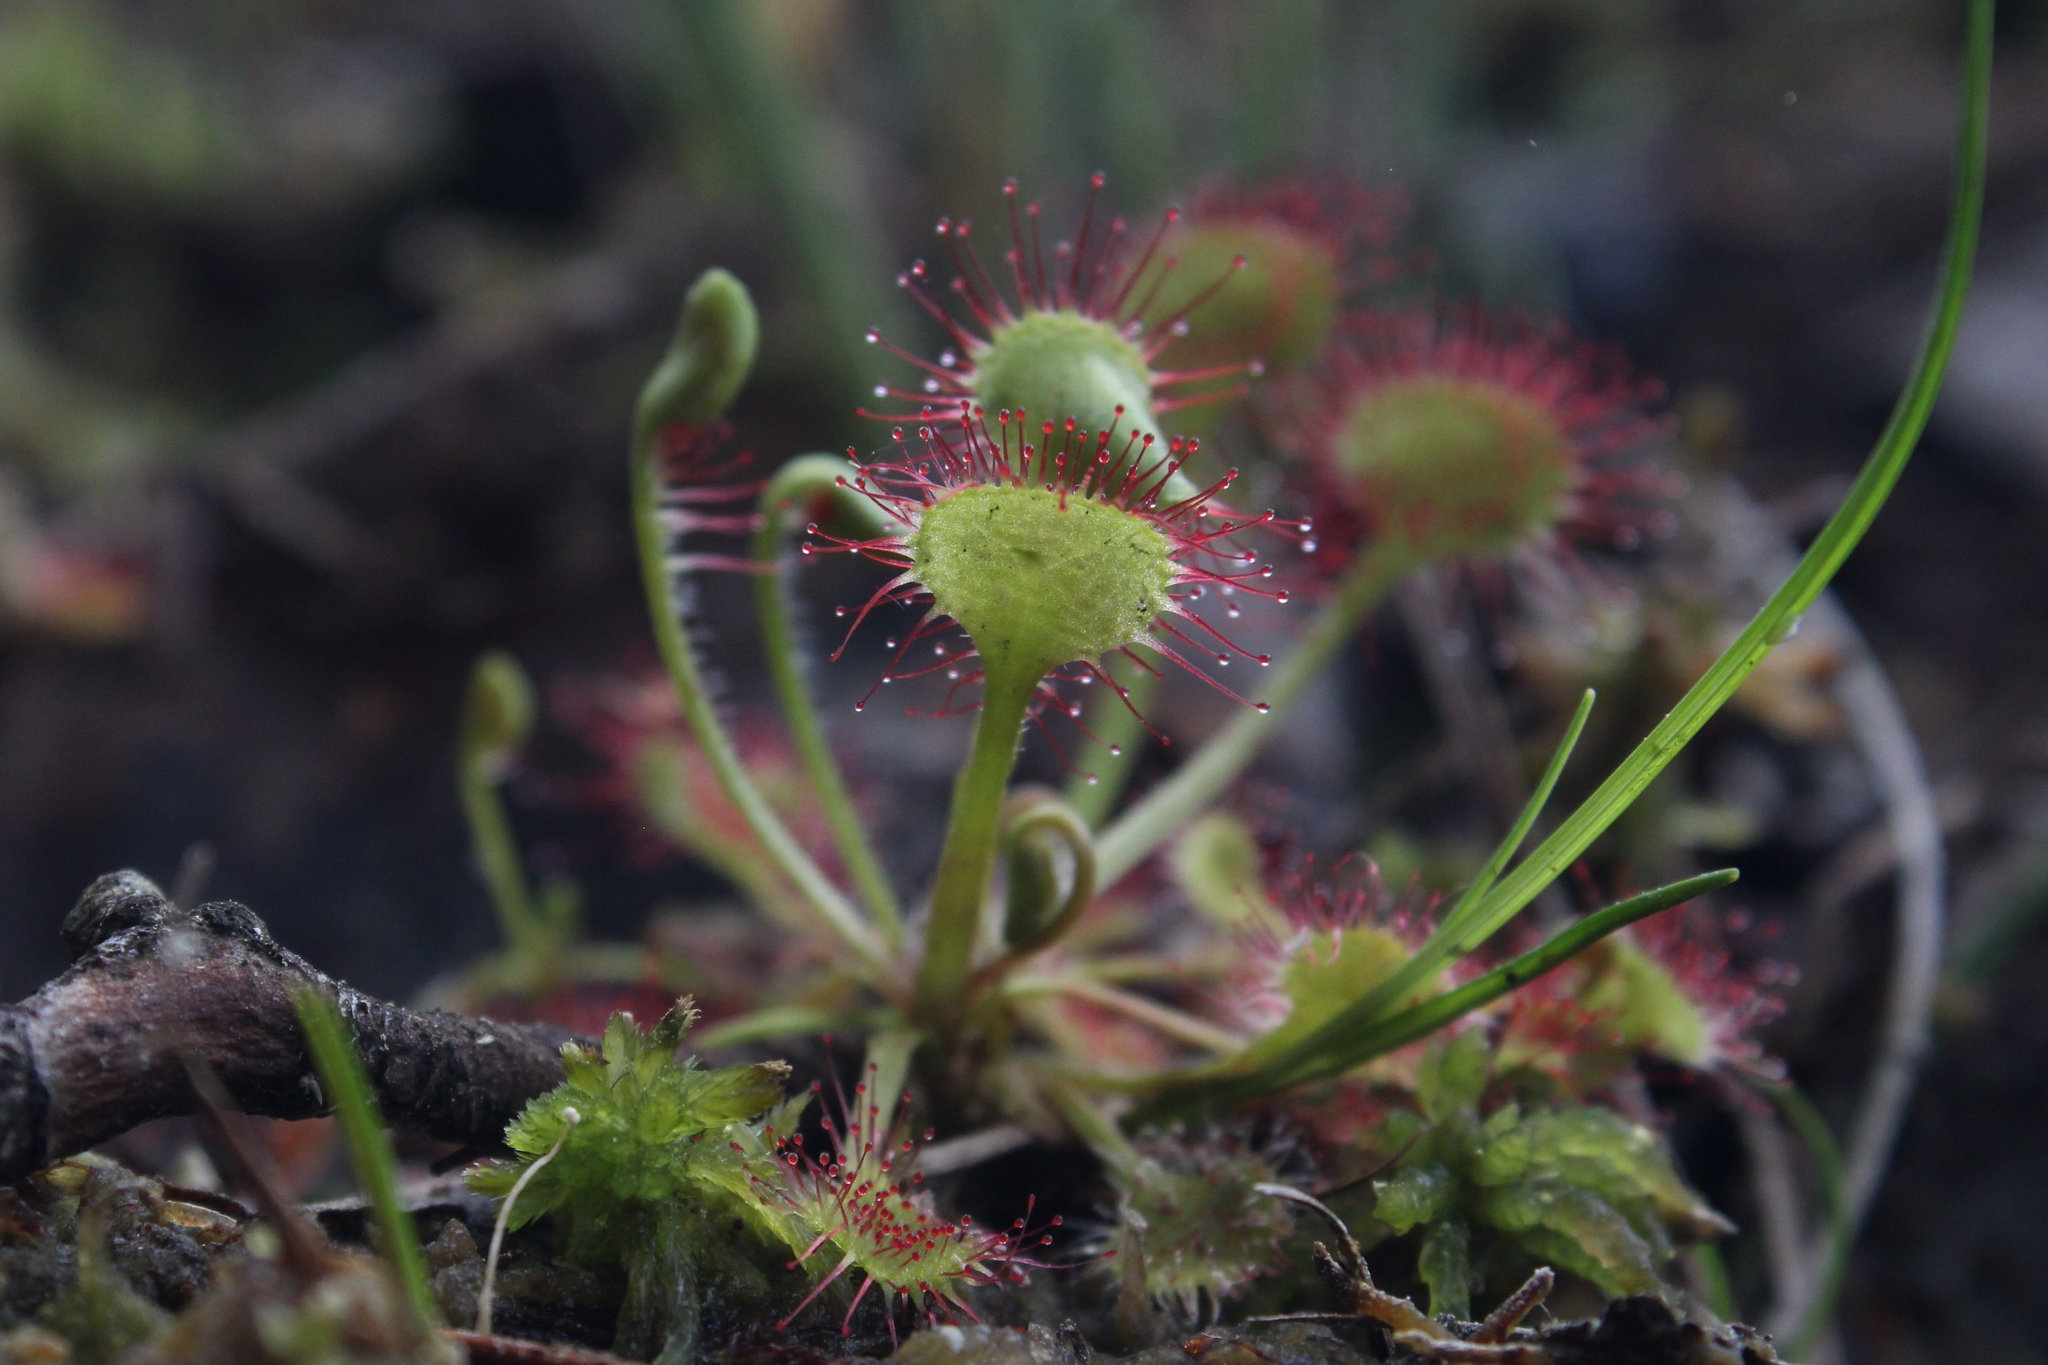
(500, 710)
(708, 360)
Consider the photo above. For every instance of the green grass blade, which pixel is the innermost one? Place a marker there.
(347, 1088)
(1451, 937)
(1538, 799)
(1818, 565)
(1341, 1053)
(1338, 1047)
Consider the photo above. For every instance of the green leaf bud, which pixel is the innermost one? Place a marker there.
(498, 712)
(708, 359)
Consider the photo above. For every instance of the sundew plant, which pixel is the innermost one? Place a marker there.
(1058, 505)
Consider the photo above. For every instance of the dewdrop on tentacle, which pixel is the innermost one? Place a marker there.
(1050, 553)
(857, 1206)
(1467, 437)
(1078, 331)
(1313, 247)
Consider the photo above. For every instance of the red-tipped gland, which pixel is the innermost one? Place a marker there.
(1473, 438)
(1310, 247)
(875, 1221)
(707, 489)
(1051, 553)
(1074, 331)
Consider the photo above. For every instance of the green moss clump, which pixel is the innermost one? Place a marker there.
(1579, 1187)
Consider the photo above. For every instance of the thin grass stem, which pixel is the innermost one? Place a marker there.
(369, 1148)
(803, 483)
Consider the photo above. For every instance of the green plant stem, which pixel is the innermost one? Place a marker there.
(972, 835)
(369, 1149)
(1167, 808)
(1145, 967)
(497, 717)
(498, 861)
(1175, 1023)
(804, 482)
(570, 1118)
(1034, 922)
(1830, 1173)
(1118, 725)
(1095, 1128)
(832, 908)
(692, 384)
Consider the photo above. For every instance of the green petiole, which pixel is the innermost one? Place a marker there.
(803, 483)
(695, 380)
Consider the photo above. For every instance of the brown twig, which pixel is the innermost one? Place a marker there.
(99, 1049)
(1344, 1271)
(485, 1349)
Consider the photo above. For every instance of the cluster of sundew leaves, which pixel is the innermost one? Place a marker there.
(1313, 939)
(1191, 1221)
(858, 1207)
(1576, 1186)
(1334, 964)
(636, 1131)
(1540, 1176)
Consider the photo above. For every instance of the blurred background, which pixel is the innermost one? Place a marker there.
(320, 324)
